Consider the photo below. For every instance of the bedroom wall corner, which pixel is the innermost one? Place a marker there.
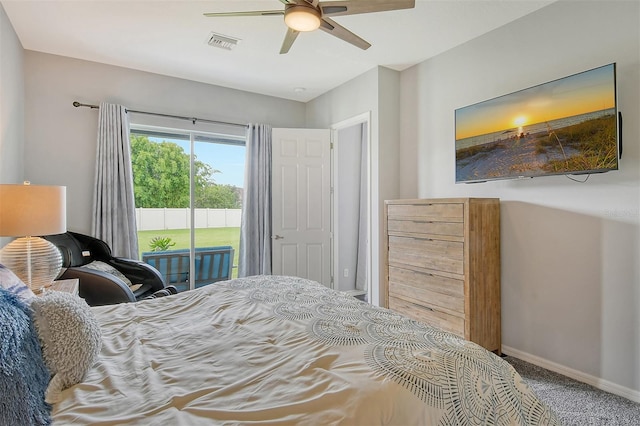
(376, 91)
(570, 273)
(408, 147)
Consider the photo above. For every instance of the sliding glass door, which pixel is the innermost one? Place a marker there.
(188, 188)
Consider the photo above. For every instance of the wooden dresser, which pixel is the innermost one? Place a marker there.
(443, 265)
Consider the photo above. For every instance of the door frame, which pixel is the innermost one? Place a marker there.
(360, 119)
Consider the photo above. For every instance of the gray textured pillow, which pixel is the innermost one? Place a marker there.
(70, 337)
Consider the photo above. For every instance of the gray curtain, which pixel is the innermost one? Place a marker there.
(255, 231)
(114, 219)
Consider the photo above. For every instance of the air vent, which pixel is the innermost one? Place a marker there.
(222, 41)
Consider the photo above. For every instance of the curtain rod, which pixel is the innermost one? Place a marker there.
(192, 119)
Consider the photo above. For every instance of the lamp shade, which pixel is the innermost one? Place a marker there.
(31, 210)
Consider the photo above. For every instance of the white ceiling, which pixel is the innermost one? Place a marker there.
(169, 37)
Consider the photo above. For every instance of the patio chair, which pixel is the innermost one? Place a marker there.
(212, 264)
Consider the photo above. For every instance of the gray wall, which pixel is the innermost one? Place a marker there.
(61, 139)
(570, 277)
(347, 155)
(11, 103)
(11, 106)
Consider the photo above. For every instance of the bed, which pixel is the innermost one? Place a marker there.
(284, 350)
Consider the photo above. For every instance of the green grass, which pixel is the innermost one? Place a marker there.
(207, 237)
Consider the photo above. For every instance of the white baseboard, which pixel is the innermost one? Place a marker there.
(596, 382)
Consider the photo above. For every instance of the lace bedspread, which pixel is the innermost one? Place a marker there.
(285, 350)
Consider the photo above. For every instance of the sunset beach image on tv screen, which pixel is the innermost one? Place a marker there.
(565, 126)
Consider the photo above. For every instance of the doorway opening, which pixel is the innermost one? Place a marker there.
(351, 206)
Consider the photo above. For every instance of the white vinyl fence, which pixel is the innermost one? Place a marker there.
(155, 219)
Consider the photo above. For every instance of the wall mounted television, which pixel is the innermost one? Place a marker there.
(567, 126)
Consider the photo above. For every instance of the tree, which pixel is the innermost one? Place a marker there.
(160, 173)
(161, 178)
(218, 196)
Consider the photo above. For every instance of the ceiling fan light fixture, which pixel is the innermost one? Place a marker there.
(302, 18)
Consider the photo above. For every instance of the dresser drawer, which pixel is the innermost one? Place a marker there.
(427, 253)
(439, 212)
(433, 291)
(424, 226)
(444, 321)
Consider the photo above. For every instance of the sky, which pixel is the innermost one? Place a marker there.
(589, 91)
(228, 159)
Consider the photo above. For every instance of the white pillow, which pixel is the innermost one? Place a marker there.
(70, 338)
(10, 282)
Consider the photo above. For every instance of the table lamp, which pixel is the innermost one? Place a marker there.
(28, 211)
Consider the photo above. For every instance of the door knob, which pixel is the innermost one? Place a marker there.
(276, 237)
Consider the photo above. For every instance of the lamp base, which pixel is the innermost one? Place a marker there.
(36, 261)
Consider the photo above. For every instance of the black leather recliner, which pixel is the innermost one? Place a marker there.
(102, 288)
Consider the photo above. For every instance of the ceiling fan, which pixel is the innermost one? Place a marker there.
(309, 15)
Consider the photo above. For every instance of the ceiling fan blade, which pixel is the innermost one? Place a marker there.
(353, 7)
(289, 38)
(329, 26)
(249, 13)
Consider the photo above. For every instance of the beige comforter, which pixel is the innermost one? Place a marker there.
(282, 350)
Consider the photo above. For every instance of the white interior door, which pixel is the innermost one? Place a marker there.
(301, 204)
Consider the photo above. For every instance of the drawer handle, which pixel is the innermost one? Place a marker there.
(421, 239)
(422, 221)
